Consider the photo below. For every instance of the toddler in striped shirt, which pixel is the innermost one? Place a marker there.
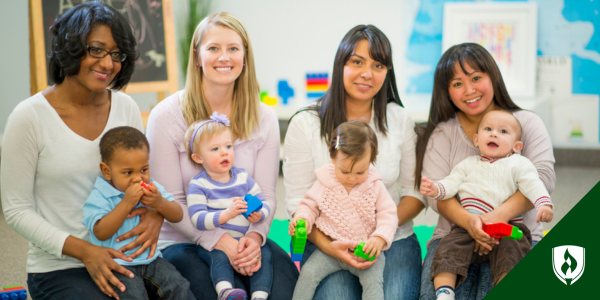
(214, 200)
(483, 183)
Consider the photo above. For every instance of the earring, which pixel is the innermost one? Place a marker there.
(243, 65)
(197, 64)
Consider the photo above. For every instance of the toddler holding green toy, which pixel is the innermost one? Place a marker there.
(348, 202)
(483, 183)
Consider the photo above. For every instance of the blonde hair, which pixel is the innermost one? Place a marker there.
(205, 132)
(245, 112)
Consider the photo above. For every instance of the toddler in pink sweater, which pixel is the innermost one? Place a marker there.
(348, 202)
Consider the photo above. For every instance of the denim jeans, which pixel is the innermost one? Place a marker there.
(159, 280)
(320, 265)
(185, 258)
(73, 284)
(400, 275)
(221, 269)
(475, 287)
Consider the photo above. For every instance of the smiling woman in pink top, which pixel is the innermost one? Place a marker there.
(220, 77)
(468, 84)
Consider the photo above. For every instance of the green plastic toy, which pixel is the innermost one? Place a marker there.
(298, 241)
(358, 251)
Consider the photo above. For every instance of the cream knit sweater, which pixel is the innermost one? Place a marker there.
(483, 183)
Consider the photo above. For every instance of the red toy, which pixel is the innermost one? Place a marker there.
(13, 292)
(145, 185)
(503, 230)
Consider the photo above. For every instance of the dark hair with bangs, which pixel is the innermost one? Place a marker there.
(69, 41)
(123, 137)
(442, 108)
(353, 139)
(331, 108)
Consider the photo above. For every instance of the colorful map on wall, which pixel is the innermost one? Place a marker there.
(565, 28)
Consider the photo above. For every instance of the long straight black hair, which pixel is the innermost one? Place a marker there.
(331, 108)
(442, 107)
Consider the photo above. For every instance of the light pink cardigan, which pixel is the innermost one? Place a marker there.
(366, 212)
(170, 166)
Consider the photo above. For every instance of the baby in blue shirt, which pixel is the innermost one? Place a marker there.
(125, 154)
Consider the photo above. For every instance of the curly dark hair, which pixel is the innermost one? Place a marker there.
(70, 32)
(123, 137)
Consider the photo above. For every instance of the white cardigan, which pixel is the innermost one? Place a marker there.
(47, 173)
(305, 151)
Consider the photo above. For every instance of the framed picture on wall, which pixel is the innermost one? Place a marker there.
(507, 30)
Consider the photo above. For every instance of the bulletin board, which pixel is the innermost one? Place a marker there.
(152, 22)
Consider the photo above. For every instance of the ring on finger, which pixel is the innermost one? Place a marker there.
(257, 258)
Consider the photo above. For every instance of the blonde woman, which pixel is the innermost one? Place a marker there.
(220, 77)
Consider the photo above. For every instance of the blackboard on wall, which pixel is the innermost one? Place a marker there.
(152, 24)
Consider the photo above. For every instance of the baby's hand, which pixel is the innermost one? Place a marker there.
(373, 246)
(428, 188)
(255, 217)
(133, 194)
(544, 214)
(237, 207)
(152, 197)
(292, 227)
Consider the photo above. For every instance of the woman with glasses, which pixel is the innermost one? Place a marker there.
(51, 156)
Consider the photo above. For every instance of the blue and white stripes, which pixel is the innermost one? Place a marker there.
(207, 198)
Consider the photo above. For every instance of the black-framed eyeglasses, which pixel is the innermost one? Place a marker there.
(102, 53)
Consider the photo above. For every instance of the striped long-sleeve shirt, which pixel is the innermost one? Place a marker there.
(207, 198)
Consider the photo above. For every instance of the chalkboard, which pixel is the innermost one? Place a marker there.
(152, 24)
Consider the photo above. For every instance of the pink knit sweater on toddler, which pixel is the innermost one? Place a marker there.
(366, 212)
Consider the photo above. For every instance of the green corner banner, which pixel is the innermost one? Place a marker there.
(565, 264)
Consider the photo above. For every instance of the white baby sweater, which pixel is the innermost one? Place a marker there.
(483, 183)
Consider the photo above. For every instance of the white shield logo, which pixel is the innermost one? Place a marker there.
(568, 263)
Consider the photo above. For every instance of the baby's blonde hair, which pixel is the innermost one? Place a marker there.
(205, 132)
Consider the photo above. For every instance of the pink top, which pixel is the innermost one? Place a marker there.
(366, 212)
(169, 165)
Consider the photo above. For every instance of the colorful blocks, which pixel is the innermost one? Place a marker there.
(503, 230)
(316, 84)
(13, 292)
(298, 242)
(254, 205)
(358, 251)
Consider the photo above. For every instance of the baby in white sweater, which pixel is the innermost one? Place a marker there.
(483, 183)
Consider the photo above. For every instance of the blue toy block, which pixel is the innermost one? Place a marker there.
(285, 91)
(15, 292)
(254, 204)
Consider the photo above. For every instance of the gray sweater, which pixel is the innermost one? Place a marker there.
(449, 145)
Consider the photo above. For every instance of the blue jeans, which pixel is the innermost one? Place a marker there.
(221, 269)
(400, 275)
(185, 258)
(73, 284)
(475, 287)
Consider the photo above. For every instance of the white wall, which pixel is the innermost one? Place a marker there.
(14, 57)
(291, 38)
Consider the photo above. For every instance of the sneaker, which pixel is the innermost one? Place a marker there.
(232, 294)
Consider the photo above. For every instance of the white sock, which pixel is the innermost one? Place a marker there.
(221, 285)
(444, 293)
(260, 294)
